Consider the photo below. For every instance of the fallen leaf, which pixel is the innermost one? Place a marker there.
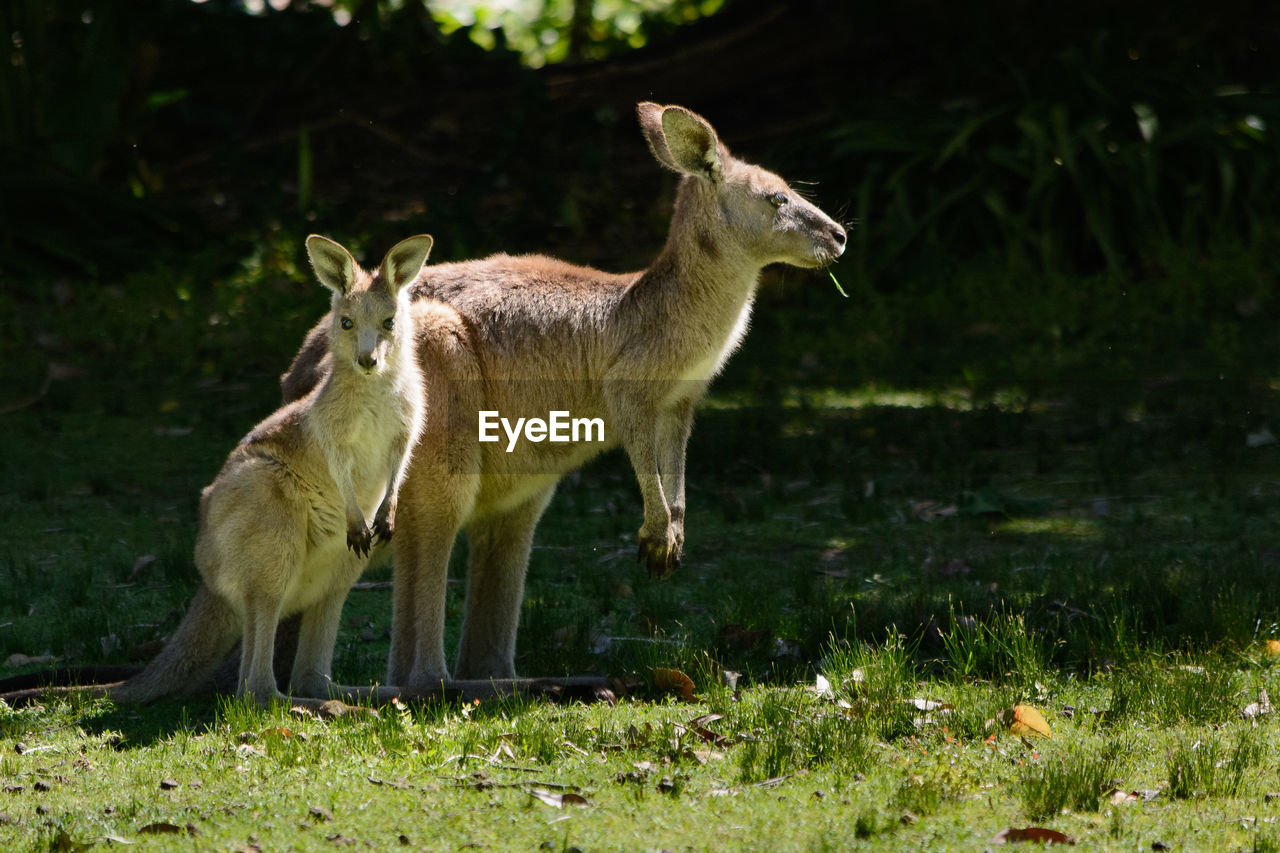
(1120, 797)
(169, 784)
(1036, 834)
(933, 510)
(558, 800)
(1024, 721)
(1271, 648)
(665, 678)
(165, 828)
(699, 727)
(822, 687)
(928, 705)
(320, 813)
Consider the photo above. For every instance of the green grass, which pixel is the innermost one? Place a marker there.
(1135, 628)
(938, 554)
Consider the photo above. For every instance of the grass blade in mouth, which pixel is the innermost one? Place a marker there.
(837, 283)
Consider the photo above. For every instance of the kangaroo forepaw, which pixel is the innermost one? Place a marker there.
(359, 540)
(382, 530)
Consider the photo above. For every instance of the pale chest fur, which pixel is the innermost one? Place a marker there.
(705, 365)
(359, 434)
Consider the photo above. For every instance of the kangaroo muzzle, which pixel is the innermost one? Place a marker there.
(368, 351)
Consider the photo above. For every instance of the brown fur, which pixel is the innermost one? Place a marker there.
(530, 334)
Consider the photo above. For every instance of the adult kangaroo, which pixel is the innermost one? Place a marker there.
(531, 335)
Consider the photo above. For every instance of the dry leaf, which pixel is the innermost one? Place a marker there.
(164, 828)
(822, 687)
(675, 680)
(699, 727)
(1024, 721)
(558, 800)
(1120, 797)
(928, 705)
(1271, 648)
(933, 510)
(1036, 834)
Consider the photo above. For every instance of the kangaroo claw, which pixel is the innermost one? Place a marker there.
(382, 530)
(358, 540)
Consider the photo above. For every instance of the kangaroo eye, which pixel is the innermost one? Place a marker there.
(389, 323)
(778, 199)
(346, 323)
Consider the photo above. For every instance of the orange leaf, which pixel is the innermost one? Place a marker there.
(673, 679)
(1038, 834)
(1271, 648)
(1024, 721)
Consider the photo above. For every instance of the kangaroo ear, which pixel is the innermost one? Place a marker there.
(690, 142)
(403, 263)
(650, 115)
(333, 264)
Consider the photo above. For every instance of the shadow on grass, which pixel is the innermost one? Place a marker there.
(1050, 534)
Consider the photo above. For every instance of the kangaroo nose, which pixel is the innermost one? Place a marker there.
(837, 234)
(368, 362)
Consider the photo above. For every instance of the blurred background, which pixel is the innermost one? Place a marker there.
(1041, 194)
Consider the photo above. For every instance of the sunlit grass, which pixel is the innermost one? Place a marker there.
(1084, 528)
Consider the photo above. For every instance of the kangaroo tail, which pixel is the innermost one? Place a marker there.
(208, 631)
(68, 677)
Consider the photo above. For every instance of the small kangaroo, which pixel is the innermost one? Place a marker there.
(532, 334)
(284, 527)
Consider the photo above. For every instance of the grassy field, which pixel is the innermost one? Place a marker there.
(1104, 553)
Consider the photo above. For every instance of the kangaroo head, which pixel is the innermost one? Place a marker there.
(735, 206)
(367, 315)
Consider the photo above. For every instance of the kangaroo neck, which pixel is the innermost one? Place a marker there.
(700, 276)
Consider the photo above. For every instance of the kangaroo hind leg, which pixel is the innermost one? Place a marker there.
(499, 557)
(313, 663)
